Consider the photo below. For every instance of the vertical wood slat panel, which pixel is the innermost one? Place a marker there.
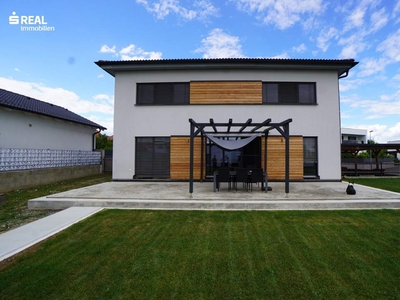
(180, 158)
(276, 157)
(226, 92)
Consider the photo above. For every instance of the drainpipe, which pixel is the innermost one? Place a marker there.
(343, 75)
(94, 139)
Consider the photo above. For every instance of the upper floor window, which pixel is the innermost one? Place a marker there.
(289, 92)
(163, 93)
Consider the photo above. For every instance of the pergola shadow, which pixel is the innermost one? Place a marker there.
(244, 134)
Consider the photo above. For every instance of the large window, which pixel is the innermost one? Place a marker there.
(289, 93)
(152, 157)
(163, 93)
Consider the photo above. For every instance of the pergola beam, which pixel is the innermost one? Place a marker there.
(213, 125)
(248, 122)
(265, 123)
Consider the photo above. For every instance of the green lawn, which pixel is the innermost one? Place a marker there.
(130, 254)
(14, 212)
(390, 184)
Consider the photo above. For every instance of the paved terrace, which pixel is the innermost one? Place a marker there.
(175, 195)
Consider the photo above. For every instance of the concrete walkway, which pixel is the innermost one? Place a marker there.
(21, 238)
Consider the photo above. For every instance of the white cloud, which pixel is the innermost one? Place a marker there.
(100, 104)
(299, 49)
(391, 47)
(350, 84)
(356, 17)
(323, 40)
(371, 66)
(396, 77)
(100, 76)
(353, 45)
(133, 52)
(283, 55)
(281, 13)
(202, 9)
(378, 19)
(396, 8)
(219, 44)
(385, 106)
(16, 70)
(205, 9)
(107, 49)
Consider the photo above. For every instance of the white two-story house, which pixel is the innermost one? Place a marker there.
(154, 100)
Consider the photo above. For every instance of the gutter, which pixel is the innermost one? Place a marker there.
(345, 75)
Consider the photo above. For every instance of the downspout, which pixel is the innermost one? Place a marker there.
(340, 123)
(93, 139)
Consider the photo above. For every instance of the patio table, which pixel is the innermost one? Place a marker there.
(232, 174)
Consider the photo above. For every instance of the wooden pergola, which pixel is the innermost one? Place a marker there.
(248, 128)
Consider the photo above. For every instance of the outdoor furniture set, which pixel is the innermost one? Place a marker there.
(241, 175)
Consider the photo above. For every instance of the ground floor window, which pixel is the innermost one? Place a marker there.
(247, 157)
(310, 145)
(152, 159)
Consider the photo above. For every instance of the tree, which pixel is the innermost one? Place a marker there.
(104, 142)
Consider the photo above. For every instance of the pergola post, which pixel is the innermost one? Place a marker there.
(191, 156)
(286, 131)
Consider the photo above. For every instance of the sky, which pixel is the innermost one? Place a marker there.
(56, 64)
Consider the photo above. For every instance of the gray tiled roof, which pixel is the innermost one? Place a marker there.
(24, 103)
(340, 65)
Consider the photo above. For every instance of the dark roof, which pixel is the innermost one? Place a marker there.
(340, 65)
(24, 103)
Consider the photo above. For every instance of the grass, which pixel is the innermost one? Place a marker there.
(120, 254)
(390, 184)
(14, 212)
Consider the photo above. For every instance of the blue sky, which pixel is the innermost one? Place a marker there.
(57, 64)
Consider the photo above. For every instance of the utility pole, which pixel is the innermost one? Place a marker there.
(370, 142)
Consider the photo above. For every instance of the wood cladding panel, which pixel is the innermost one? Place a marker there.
(180, 158)
(226, 92)
(276, 157)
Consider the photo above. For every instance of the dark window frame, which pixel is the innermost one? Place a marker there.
(163, 93)
(155, 161)
(288, 93)
(310, 160)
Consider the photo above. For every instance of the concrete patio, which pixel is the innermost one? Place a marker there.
(175, 195)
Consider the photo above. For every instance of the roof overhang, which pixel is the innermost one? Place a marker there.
(341, 66)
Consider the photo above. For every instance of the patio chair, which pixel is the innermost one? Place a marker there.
(242, 175)
(256, 177)
(224, 176)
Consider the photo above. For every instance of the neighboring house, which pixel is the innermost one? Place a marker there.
(39, 135)
(350, 135)
(154, 100)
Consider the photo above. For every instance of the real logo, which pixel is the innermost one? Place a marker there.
(27, 20)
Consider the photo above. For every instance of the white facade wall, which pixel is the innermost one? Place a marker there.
(25, 130)
(130, 121)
